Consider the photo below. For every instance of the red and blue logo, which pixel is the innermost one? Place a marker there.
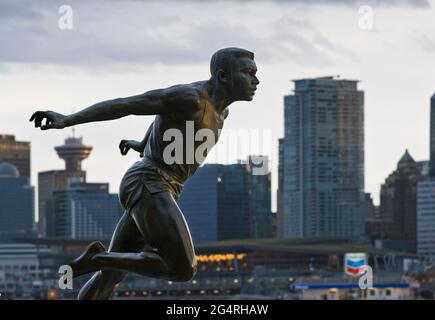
(354, 263)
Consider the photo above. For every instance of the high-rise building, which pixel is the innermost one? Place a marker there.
(199, 203)
(223, 202)
(398, 201)
(16, 203)
(260, 215)
(16, 153)
(426, 197)
(323, 156)
(426, 216)
(83, 211)
(432, 137)
(368, 207)
(73, 152)
(279, 193)
(233, 220)
(377, 227)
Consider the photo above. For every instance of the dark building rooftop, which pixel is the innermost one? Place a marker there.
(406, 158)
(309, 245)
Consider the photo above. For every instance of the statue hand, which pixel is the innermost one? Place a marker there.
(54, 120)
(126, 145)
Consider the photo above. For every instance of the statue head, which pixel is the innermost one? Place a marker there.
(234, 69)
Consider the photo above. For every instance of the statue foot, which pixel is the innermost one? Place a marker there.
(84, 264)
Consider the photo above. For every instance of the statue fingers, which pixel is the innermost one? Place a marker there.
(122, 143)
(34, 115)
(49, 126)
(39, 116)
(124, 150)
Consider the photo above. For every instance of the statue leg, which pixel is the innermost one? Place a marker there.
(126, 238)
(162, 225)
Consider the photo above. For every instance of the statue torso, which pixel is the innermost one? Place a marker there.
(185, 133)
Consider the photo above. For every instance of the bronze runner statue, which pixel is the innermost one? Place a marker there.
(152, 237)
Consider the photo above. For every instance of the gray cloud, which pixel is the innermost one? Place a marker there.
(108, 33)
(413, 3)
(410, 3)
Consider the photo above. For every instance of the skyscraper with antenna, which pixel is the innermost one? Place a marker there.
(73, 152)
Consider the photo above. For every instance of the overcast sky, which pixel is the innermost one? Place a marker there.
(121, 48)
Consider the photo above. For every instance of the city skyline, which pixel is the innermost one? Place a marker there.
(393, 61)
(274, 170)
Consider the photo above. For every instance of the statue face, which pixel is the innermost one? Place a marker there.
(243, 80)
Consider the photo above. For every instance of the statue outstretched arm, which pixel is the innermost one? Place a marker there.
(179, 98)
